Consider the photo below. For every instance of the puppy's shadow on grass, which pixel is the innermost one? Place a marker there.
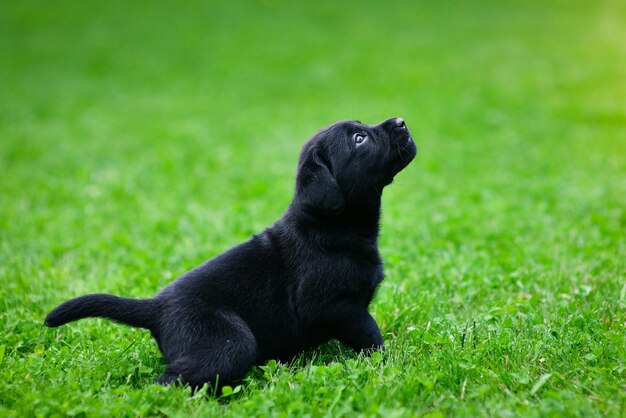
(260, 377)
(325, 354)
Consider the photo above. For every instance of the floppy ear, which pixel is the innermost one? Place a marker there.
(316, 187)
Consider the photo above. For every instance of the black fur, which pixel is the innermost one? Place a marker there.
(305, 280)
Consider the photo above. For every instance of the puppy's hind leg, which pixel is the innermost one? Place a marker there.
(221, 351)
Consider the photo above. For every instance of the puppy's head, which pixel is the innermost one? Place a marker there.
(349, 163)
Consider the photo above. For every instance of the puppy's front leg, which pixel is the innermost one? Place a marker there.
(354, 326)
(361, 333)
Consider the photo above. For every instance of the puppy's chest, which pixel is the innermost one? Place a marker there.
(343, 271)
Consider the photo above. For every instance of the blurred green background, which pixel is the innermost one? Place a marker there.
(138, 139)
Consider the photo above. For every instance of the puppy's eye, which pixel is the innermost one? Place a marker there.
(359, 138)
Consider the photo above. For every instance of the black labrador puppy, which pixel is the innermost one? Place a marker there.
(305, 280)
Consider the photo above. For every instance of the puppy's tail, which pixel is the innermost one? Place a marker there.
(142, 313)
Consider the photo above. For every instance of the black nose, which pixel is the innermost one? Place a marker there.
(394, 123)
(399, 122)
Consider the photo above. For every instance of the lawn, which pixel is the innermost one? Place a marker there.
(138, 139)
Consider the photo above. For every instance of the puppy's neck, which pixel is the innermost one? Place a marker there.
(357, 220)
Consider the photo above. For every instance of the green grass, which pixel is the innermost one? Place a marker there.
(137, 140)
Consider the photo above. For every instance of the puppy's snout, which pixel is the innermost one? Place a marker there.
(400, 123)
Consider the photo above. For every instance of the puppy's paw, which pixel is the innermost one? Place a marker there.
(370, 350)
(169, 378)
